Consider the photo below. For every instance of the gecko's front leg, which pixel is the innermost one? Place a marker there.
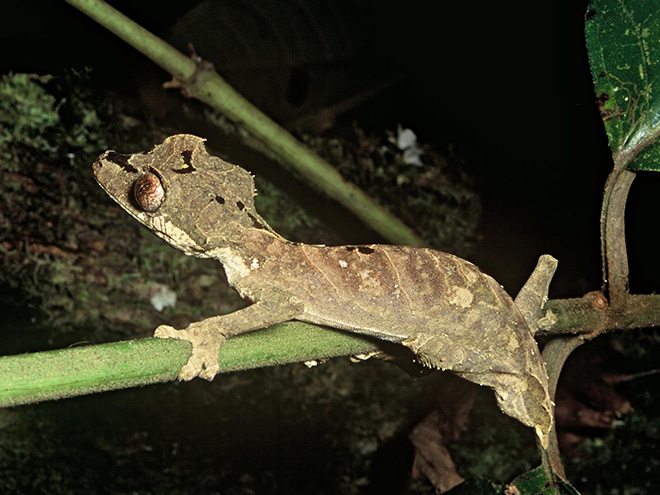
(206, 342)
(208, 336)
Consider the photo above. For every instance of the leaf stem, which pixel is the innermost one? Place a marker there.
(613, 236)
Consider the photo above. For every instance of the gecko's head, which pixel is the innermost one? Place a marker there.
(194, 201)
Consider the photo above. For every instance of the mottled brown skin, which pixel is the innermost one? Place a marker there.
(444, 308)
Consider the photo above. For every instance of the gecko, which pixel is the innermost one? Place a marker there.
(446, 310)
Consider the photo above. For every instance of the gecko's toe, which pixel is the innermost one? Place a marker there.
(209, 372)
(188, 372)
(167, 332)
(206, 344)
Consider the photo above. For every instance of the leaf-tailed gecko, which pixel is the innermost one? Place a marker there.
(449, 313)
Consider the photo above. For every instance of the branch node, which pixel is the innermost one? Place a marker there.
(201, 65)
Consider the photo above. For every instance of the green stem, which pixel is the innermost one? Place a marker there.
(590, 314)
(29, 378)
(202, 82)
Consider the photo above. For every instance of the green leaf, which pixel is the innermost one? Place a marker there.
(538, 482)
(534, 482)
(623, 40)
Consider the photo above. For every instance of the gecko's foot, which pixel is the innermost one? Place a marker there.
(206, 345)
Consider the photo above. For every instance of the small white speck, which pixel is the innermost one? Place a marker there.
(255, 264)
(405, 138)
(406, 141)
(343, 264)
(162, 297)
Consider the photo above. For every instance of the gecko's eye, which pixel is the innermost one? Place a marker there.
(149, 192)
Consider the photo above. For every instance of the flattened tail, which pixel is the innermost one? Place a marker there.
(524, 398)
(520, 386)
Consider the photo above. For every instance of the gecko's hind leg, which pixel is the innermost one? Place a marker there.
(533, 295)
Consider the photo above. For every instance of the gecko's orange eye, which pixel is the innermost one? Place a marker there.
(149, 192)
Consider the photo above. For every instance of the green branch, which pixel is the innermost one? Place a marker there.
(39, 376)
(200, 81)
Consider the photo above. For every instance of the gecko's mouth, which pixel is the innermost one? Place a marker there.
(171, 233)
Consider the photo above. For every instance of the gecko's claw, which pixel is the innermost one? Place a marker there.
(203, 361)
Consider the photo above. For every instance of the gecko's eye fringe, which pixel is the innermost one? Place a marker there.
(149, 192)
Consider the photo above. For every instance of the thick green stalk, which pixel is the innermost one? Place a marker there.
(39, 376)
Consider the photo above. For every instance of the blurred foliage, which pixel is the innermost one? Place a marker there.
(428, 190)
(27, 113)
(624, 461)
(41, 116)
(53, 217)
(493, 446)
